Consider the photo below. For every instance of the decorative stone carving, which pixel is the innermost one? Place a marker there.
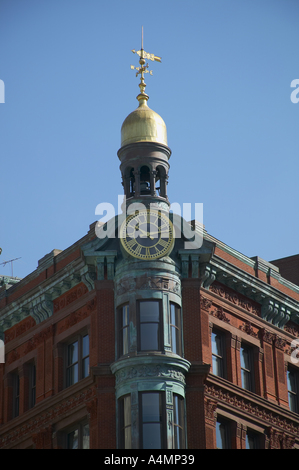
(41, 309)
(219, 313)
(147, 282)
(235, 298)
(210, 409)
(290, 427)
(66, 299)
(149, 370)
(247, 328)
(267, 336)
(205, 303)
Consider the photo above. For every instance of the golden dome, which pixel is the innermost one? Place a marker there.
(143, 125)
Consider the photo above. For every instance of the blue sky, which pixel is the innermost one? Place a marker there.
(223, 89)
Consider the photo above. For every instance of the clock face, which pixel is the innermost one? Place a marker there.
(147, 235)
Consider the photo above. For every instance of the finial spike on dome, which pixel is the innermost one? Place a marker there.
(143, 97)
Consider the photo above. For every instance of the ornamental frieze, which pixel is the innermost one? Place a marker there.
(77, 316)
(292, 328)
(147, 282)
(235, 298)
(19, 329)
(149, 370)
(30, 345)
(258, 411)
(71, 296)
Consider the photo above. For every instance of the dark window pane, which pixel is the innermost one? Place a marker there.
(149, 336)
(246, 368)
(178, 421)
(221, 435)
(251, 440)
(172, 315)
(217, 354)
(125, 338)
(125, 315)
(149, 312)
(85, 436)
(73, 353)
(85, 367)
(174, 342)
(291, 378)
(125, 422)
(151, 436)
(216, 343)
(246, 380)
(245, 358)
(217, 366)
(151, 407)
(73, 440)
(85, 346)
(293, 402)
(73, 374)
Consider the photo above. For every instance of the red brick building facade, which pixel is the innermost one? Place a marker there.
(194, 349)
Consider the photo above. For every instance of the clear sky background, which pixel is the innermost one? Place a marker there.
(223, 89)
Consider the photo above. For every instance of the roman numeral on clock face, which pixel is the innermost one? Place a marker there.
(137, 251)
(147, 251)
(131, 243)
(163, 243)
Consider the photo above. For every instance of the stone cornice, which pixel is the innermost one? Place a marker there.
(254, 263)
(277, 307)
(38, 302)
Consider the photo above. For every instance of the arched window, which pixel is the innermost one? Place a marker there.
(161, 181)
(145, 184)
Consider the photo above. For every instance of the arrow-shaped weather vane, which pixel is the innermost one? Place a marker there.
(143, 66)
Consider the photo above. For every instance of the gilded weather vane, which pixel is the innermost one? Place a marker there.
(143, 66)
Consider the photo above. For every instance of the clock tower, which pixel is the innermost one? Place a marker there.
(150, 367)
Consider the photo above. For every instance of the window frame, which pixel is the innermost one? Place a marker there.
(250, 373)
(122, 424)
(176, 328)
(32, 385)
(180, 425)
(79, 338)
(293, 393)
(76, 427)
(227, 432)
(220, 358)
(159, 323)
(122, 328)
(256, 439)
(162, 422)
(15, 394)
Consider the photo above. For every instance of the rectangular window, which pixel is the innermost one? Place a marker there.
(218, 353)
(292, 381)
(247, 372)
(77, 360)
(78, 437)
(252, 440)
(222, 434)
(151, 411)
(149, 325)
(32, 385)
(125, 422)
(124, 337)
(178, 422)
(175, 329)
(16, 395)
